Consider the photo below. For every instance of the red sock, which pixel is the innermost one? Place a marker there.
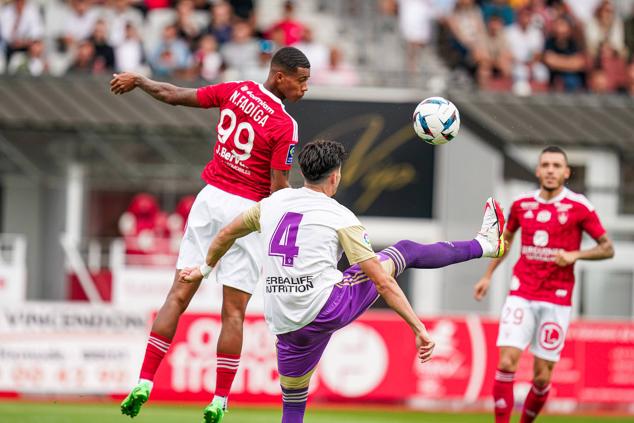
(503, 396)
(226, 368)
(534, 403)
(157, 346)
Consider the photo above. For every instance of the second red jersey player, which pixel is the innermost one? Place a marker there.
(537, 310)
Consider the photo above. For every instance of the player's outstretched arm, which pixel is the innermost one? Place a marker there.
(388, 288)
(603, 250)
(122, 83)
(481, 288)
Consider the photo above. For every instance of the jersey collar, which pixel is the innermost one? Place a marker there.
(556, 199)
(270, 94)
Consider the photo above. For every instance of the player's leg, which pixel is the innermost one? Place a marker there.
(238, 271)
(517, 328)
(546, 347)
(487, 243)
(538, 395)
(228, 350)
(158, 343)
(298, 354)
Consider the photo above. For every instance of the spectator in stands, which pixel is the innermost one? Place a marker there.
(79, 22)
(220, 25)
(172, 56)
(499, 8)
(612, 66)
(129, 53)
(142, 224)
(564, 58)
(291, 27)
(316, 52)
(118, 15)
(20, 25)
(469, 34)
(208, 59)
(188, 29)
(242, 51)
(526, 44)
(338, 73)
(104, 53)
(416, 22)
(605, 26)
(498, 61)
(84, 63)
(260, 72)
(32, 63)
(599, 82)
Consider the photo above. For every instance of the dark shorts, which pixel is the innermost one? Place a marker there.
(298, 352)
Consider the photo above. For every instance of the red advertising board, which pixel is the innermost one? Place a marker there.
(374, 359)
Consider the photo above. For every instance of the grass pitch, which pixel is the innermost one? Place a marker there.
(52, 412)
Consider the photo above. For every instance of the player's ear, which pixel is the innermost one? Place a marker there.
(567, 172)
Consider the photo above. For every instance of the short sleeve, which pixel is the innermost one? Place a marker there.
(214, 95)
(251, 218)
(513, 221)
(592, 225)
(355, 243)
(284, 147)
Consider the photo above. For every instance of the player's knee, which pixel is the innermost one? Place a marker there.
(233, 314)
(179, 300)
(542, 377)
(507, 363)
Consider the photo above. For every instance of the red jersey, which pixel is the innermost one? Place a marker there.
(255, 135)
(549, 227)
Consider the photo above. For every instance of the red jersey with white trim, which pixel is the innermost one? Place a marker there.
(547, 228)
(255, 135)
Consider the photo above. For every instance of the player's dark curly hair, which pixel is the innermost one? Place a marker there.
(555, 149)
(319, 158)
(288, 59)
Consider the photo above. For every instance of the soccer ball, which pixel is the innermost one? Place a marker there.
(436, 120)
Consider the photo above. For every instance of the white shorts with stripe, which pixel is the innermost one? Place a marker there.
(212, 210)
(541, 324)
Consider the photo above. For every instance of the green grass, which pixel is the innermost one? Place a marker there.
(52, 412)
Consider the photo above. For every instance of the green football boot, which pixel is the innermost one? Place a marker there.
(131, 405)
(214, 412)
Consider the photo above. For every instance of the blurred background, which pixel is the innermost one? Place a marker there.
(95, 189)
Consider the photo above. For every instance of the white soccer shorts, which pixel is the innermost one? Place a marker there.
(541, 324)
(213, 209)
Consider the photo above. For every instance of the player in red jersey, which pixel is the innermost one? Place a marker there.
(253, 154)
(537, 309)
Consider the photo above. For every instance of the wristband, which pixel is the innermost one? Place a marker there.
(205, 270)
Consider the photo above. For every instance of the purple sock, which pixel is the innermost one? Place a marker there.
(407, 254)
(294, 405)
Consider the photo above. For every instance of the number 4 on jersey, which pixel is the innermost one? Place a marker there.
(284, 240)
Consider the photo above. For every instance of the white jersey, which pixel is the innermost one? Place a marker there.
(305, 233)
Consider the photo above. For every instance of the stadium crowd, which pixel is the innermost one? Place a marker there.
(523, 45)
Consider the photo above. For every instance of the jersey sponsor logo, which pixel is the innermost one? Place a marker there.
(286, 285)
(529, 205)
(551, 336)
(562, 217)
(540, 238)
(561, 293)
(289, 155)
(561, 207)
(540, 253)
(543, 216)
(529, 214)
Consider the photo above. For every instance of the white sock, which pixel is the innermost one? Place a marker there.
(223, 399)
(149, 382)
(487, 248)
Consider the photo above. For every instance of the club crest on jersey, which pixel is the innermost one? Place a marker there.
(544, 216)
(562, 217)
(366, 238)
(289, 155)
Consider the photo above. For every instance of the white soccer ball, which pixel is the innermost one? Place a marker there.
(436, 120)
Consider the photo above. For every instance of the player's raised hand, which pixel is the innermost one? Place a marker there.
(566, 258)
(124, 82)
(425, 346)
(480, 289)
(190, 275)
